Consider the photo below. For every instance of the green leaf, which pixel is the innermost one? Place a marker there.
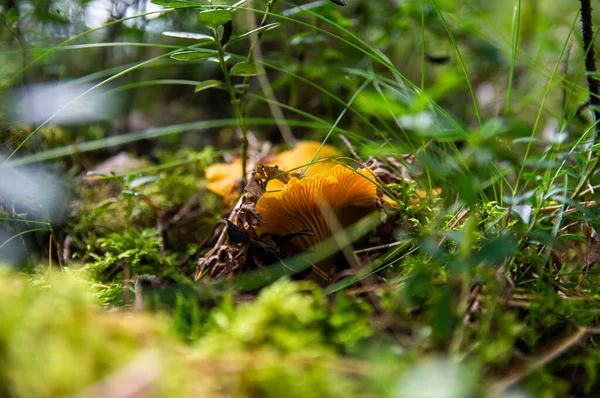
(208, 84)
(373, 103)
(176, 3)
(189, 35)
(192, 55)
(214, 18)
(102, 207)
(442, 320)
(443, 135)
(131, 194)
(240, 87)
(12, 15)
(523, 212)
(307, 38)
(142, 180)
(257, 30)
(246, 69)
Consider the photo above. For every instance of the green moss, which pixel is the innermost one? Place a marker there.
(286, 316)
(138, 249)
(349, 322)
(55, 340)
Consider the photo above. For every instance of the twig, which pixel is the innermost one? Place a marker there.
(59, 253)
(590, 61)
(190, 204)
(375, 248)
(127, 277)
(50, 253)
(517, 303)
(201, 245)
(474, 303)
(501, 386)
(255, 53)
(162, 234)
(67, 248)
(565, 72)
(350, 147)
(345, 244)
(221, 238)
(551, 209)
(284, 128)
(137, 379)
(458, 219)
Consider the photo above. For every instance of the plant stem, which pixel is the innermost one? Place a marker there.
(235, 103)
(590, 62)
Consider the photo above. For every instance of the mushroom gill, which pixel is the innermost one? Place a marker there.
(316, 203)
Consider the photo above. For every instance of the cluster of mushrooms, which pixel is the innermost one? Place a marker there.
(308, 199)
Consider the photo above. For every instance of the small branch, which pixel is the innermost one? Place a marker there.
(201, 246)
(376, 248)
(552, 209)
(127, 281)
(590, 61)
(350, 147)
(546, 357)
(223, 235)
(50, 253)
(255, 53)
(137, 379)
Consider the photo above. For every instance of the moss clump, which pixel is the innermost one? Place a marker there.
(140, 249)
(286, 316)
(55, 340)
(278, 345)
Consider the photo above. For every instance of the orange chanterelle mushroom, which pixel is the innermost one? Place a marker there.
(318, 203)
(222, 177)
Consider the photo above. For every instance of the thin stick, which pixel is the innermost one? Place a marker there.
(350, 147)
(458, 219)
(201, 245)
(223, 234)
(551, 209)
(50, 253)
(127, 277)
(546, 357)
(380, 247)
(255, 53)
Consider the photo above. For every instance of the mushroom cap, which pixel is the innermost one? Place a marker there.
(303, 153)
(316, 203)
(223, 176)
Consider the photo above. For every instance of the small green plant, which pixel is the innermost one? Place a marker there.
(220, 25)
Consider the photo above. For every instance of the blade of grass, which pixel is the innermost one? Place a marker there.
(96, 86)
(122, 139)
(337, 121)
(513, 59)
(460, 60)
(541, 109)
(21, 234)
(76, 37)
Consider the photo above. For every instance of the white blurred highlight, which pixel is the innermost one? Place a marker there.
(37, 103)
(436, 379)
(35, 191)
(98, 12)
